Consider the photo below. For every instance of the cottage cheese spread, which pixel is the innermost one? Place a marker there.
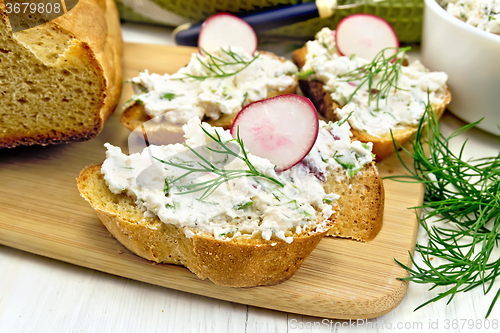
(402, 107)
(483, 14)
(200, 90)
(250, 206)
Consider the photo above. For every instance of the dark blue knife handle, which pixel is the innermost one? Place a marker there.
(260, 22)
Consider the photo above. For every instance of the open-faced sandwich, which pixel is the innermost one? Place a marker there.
(213, 87)
(243, 207)
(223, 77)
(383, 96)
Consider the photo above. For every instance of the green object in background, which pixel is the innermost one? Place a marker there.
(404, 15)
(128, 14)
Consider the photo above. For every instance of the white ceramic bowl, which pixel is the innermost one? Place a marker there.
(471, 58)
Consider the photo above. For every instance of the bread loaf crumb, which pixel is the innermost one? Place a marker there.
(59, 85)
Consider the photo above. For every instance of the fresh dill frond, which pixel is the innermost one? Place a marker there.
(385, 69)
(342, 121)
(465, 196)
(217, 67)
(203, 165)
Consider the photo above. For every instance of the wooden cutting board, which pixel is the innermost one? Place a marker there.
(42, 212)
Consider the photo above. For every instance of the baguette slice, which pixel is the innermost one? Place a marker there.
(239, 262)
(382, 146)
(134, 115)
(62, 79)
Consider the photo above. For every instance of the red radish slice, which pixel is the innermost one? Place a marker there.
(226, 30)
(365, 35)
(282, 129)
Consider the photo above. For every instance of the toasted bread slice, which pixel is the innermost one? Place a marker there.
(383, 145)
(134, 115)
(238, 262)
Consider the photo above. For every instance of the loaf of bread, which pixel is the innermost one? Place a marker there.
(249, 231)
(59, 81)
(209, 110)
(329, 108)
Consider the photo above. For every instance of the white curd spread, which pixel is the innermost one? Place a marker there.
(212, 85)
(401, 107)
(250, 206)
(483, 14)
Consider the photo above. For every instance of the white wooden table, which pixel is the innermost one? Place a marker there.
(38, 294)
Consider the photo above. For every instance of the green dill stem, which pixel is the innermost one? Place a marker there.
(306, 74)
(203, 165)
(245, 156)
(215, 65)
(245, 205)
(465, 195)
(389, 69)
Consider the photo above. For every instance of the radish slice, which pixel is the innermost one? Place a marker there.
(282, 129)
(226, 30)
(365, 35)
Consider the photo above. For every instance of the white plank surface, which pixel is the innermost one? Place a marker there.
(43, 295)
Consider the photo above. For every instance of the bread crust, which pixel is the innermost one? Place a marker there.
(361, 203)
(93, 28)
(239, 262)
(107, 47)
(383, 146)
(134, 115)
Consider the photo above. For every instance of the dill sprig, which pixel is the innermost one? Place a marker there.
(385, 69)
(465, 196)
(216, 66)
(204, 165)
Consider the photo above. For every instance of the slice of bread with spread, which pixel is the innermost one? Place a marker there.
(214, 96)
(329, 88)
(240, 262)
(249, 231)
(60, 80)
